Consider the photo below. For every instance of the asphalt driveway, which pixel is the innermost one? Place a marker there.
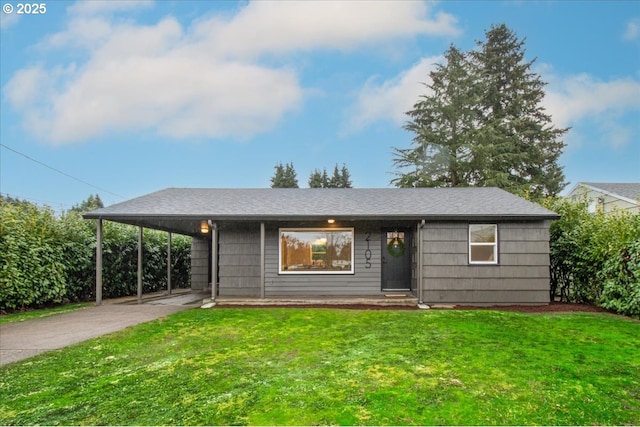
(20, 340)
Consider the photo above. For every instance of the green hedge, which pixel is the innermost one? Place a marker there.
(595, 258)
(45, 259)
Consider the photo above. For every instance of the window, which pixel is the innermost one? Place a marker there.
(316, 251)
(483, 244)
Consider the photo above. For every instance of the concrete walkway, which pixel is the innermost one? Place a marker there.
(20, 340)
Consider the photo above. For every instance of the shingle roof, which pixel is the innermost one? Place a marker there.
(630, 190)
(285, 203)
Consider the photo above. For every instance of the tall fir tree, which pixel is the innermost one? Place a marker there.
(444, 126)
(284, 176)
(483, 124)
(520, 147)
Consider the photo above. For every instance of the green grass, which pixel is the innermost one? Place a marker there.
(32, 314)
(331, 366)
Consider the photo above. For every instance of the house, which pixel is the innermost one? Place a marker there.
(608, 196)
(480, 246)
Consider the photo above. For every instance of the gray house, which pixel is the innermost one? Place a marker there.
(480, 246)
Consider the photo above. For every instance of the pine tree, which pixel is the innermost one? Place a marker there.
(483, 124)
(335, 180)
(519, 146)
(443, 123)
(341, 178)
(284, 176)
(345, 177)
(318, 179)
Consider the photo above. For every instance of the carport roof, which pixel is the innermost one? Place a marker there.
(181, 209)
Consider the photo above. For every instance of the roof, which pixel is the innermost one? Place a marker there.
(163, 208)
(629, 191)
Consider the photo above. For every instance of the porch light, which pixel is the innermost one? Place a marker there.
(331, 220)
(204, 227)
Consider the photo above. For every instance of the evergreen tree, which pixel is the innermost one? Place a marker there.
(345, 177)
(483, 124)
(335, 180)
(340, 178)
(518, 146)
(284, 176)
(443, 123)
(318, 179)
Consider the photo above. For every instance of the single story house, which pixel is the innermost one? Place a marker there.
(608, 196)
(479, 246)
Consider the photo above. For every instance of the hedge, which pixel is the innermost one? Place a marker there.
(47, 259)
(595, 257)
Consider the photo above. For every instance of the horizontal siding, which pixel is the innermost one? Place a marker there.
(364, 281)
(239, 262)
(521, 276)
(199, 263)
(504, 297)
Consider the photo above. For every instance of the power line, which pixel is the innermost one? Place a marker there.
(61, 172)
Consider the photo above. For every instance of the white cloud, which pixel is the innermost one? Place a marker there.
(8, 20)
(277, 27)
(391, 99)
(572, 101)
(201, 80)
(581, 99)
(632, 30)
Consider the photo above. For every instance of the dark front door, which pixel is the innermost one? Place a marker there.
(396, 259)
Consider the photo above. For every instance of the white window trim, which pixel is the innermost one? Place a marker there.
(494, 244)
(317, 272)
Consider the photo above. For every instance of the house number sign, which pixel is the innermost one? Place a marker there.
(367, 253)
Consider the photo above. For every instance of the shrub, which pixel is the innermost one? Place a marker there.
(46, 259)
(594, 257)
(32, 272)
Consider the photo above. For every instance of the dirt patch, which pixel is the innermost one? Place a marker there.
(554, 307)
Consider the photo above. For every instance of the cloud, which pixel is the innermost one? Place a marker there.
(632, 30)
(572, 101)
(205, 79)
(581, 99)
(279, 27)
(392, 98)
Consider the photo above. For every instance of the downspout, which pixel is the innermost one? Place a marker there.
(420, 261)
(214, 260)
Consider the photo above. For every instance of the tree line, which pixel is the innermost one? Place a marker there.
(285, 176)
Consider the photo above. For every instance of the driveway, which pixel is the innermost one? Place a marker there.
(20, 340)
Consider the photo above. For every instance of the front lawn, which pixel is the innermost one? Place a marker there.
(333, 366)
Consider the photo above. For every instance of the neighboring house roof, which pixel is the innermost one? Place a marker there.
(163, 208)
(627, 191)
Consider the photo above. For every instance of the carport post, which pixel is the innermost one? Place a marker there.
(99, 262)
(262, 263)
(140, 265)
(169, 263)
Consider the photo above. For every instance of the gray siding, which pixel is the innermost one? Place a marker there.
(365, 281)
(521, 277)
(199, 263)
(239, 261)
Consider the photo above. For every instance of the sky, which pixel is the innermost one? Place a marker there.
(123, 98)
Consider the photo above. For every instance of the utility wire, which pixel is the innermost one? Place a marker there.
(61, 172)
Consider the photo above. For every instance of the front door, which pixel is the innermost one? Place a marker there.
(396, 259)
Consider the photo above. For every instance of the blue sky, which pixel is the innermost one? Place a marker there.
(136, 96)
